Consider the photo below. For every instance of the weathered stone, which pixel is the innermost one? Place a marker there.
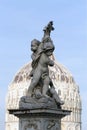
(40, 119)
(58, 73)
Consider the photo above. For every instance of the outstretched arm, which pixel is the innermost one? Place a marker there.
(47, 29)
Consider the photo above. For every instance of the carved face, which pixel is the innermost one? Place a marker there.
(48, 46)
(49, 52)
(34, 46)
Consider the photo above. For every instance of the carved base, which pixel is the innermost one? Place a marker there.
(35, 103)
(39, 124)
(40, 119)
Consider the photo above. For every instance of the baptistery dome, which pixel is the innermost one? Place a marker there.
(65, 86)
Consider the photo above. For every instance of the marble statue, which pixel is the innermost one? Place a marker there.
(41, 86)
(41, 107)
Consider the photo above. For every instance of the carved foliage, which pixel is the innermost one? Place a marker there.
(32, 125)
(52, 125)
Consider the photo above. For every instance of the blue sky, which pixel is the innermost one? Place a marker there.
(21, 21)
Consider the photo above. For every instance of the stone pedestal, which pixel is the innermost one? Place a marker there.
(40, 119)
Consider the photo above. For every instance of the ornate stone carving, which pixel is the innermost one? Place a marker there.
(41, 87)
(31, 126)
(51, 124)
(66, 86)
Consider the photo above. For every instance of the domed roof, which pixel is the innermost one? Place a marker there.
(55, 72)
(64, 84)
(63, 81)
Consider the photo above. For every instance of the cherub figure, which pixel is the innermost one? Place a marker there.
(34, 48)
(40, 70)
(40, 62)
